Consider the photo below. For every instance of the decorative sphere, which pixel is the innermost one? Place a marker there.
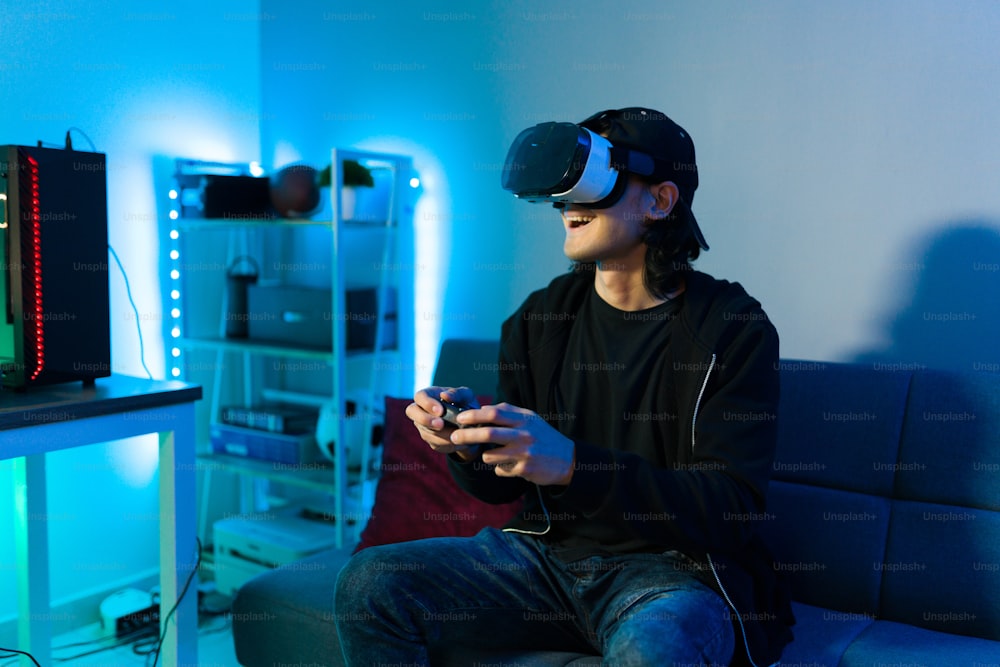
(294, 192)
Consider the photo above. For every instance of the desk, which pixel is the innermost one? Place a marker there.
(48, 419)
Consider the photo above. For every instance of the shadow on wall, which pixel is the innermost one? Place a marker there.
(948, 313)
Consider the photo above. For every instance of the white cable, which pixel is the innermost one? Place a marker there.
(736, 611)
(138, 324)
(548, 519)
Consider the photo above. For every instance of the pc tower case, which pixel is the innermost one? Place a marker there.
(54, 248)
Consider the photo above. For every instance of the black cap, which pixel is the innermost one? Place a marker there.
(655, 134)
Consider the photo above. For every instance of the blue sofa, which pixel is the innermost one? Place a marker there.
(884, 511)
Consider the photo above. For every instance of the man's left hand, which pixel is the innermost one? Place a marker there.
(529, 446)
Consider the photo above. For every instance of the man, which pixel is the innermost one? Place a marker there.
(636, 419)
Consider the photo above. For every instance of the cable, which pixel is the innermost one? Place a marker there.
(69, 143)
(548, 519)
(166, 620)
(14, 650)
(138, 325)
(135, 637)
(739, 617)
(124, 640)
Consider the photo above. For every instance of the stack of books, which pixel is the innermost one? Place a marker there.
(274, 432)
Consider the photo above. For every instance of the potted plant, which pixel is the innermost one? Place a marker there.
(354, 175)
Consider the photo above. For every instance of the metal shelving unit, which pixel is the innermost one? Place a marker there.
(339, 253)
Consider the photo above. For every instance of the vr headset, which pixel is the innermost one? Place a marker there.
(562, 163)
(567, 163)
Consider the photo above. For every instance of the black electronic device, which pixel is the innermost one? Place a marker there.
(452, 410)
(54, 278)
(222, 190)
(236, 197)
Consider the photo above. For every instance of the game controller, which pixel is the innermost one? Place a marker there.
(452, 410)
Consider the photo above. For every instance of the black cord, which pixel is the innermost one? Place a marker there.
(68, 141)
(166, 621)
(138, 324)
(69, 144)
(124, 640)
(14, 651)
(134, 637)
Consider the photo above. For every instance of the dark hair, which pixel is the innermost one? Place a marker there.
(670, 249)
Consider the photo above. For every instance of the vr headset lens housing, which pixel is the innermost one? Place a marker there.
(560, 162)
(563, 163)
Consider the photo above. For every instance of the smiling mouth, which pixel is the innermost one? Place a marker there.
(577, 221)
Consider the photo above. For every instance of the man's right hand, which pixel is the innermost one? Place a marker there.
(426, 411)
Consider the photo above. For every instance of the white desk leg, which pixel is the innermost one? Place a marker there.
(178, 549)
(31, 537)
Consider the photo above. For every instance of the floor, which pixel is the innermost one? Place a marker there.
(86, 648)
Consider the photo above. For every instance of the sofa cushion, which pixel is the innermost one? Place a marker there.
(942, 569)
(416, 496)
(822, 635)
(839, 425)
(950, 451)
(885, 644)
(827, 540)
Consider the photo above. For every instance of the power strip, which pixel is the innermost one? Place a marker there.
(124, 611)
(137, 620)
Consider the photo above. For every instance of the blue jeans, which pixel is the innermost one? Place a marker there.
(417, 603)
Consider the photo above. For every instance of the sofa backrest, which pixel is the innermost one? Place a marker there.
(885, 494)
(468, 362)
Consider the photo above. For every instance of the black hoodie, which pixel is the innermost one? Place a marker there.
(724, 373)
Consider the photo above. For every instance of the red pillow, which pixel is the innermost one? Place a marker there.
(416, 496)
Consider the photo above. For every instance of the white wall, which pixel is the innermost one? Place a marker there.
(402, 79)
(842, 147)
(147, 82)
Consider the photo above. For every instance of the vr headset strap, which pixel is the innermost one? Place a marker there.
(635, 162)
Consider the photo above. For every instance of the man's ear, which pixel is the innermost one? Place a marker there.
(665, 196)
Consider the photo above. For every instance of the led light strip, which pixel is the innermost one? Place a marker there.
(175, 362)
(36, 277)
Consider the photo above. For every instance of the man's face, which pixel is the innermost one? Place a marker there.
(612, 236)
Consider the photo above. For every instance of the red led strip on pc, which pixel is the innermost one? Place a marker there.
(38, 316)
